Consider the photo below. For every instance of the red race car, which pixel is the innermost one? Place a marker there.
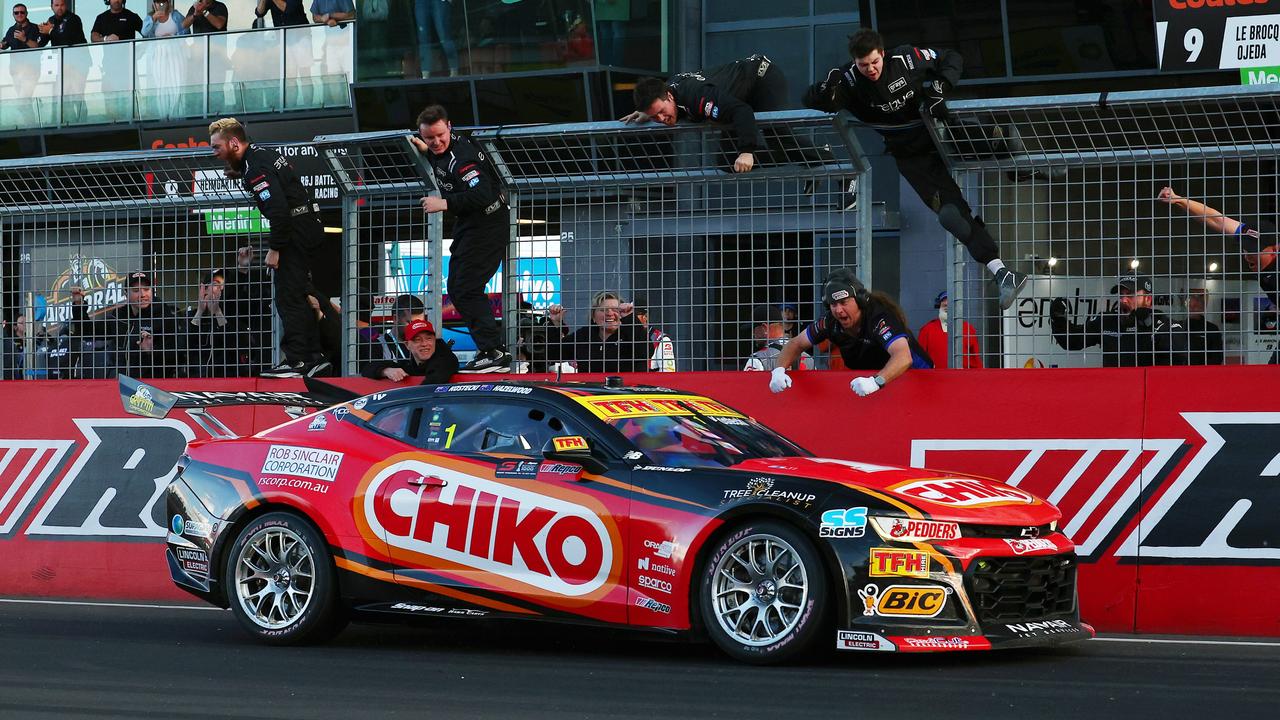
(625, 506)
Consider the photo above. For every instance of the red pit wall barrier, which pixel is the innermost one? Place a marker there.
(1169, 479)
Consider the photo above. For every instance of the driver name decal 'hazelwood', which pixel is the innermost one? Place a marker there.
(543, 541)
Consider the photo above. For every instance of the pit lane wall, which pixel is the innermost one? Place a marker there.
(1169, 479)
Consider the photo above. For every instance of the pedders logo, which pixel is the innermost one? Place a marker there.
(547, 542)
(963, 492)
(911, 530)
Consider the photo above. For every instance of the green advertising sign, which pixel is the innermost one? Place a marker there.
(1260, 75)
(235, 220)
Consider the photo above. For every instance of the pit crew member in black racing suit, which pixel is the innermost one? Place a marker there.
(1259, 244)
(869, 329)
(889, 92)
(729, 94)
(296, 238)
(471, 190)
(1136, 336)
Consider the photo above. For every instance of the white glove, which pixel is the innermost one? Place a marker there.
(864, 386)
(779, 380)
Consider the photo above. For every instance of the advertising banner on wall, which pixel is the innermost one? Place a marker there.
(1165, 476)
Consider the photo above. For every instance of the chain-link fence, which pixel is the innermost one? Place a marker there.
(720, 265)
(1080, 207)
(147, 263)
(393, 258)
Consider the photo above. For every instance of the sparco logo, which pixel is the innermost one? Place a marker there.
(552, 544)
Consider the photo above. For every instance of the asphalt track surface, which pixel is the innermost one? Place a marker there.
(87, 661)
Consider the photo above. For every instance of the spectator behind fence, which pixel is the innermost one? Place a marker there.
(163, 21)
(613, 341)
(933, 338)
(246, 300)
(13, 345)
(729, 94)
(206, 16)
(47, 355)
(145, 337)
(769, 336)
(471, 190)
(332, 12)
(116, 23)
(62, 28)
(23, 33)
(893, 90)
(428, 357)
(389, 345)
(664, 349)
(1204, 338)
(868, 328)
(214, 338)
(329, 318)
(1259, 244)
(283, 12)
(296, 238)
(1137, 335)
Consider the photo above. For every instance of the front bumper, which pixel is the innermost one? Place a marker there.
(190, 545)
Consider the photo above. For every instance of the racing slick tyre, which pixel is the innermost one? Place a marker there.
(763, 594)
(280, 581)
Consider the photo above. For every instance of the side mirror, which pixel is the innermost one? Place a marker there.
(574, 449)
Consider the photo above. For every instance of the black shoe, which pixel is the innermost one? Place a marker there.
(490, 361)
(1009, 283)
(319, 368)
(285, 369)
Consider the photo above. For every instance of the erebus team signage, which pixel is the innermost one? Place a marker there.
(1217, 34)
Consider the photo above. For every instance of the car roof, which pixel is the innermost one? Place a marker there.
(542, 389)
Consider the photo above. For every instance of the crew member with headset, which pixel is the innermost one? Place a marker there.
(868, 328)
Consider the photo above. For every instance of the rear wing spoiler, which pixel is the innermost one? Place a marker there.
(139, 398)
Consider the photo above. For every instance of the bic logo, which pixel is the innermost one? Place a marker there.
(904, 600)
(570, 442)
(899, 563)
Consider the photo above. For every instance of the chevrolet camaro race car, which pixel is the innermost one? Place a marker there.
(639, 507)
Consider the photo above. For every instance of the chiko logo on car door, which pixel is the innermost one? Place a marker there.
(547, 542)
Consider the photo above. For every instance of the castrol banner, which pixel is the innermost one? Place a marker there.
(1166, 478)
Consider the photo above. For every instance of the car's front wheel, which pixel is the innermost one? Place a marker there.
(280, 581)
(764, 592)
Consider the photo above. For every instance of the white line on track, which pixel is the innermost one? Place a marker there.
(107, 604)
(1187, 642)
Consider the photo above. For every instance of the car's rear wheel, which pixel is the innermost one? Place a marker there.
(764, 592)
(280, 581)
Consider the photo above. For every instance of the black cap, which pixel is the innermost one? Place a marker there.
(412, 303)
(208, 277)
(937, 301)
(139, 278)
(761, 314)
(841, 284)
(1133, 283)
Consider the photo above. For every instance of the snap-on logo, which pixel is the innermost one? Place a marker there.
(963, 492)
(543, 541)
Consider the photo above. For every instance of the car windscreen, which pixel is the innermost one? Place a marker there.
(696, 440)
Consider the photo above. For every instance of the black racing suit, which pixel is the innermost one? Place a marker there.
(1260, 239)
(123, 329)
(297, 234)
(481, 231)
(893, 101)
(731, 94)
(866, 346)
(1142, 338)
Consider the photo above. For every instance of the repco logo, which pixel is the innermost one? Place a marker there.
(1197, 4)
(552, 544)
(903, 600)
(963, 492)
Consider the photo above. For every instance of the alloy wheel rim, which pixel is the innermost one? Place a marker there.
(759, 590)
(275, 577)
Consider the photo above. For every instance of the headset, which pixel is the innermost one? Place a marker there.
(841, 278)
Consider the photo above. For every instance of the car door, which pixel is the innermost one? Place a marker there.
(480, 516)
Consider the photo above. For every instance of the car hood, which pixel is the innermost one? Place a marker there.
(940, 495)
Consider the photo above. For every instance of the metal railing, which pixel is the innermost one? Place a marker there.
(268, 70)
(1079, 206)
